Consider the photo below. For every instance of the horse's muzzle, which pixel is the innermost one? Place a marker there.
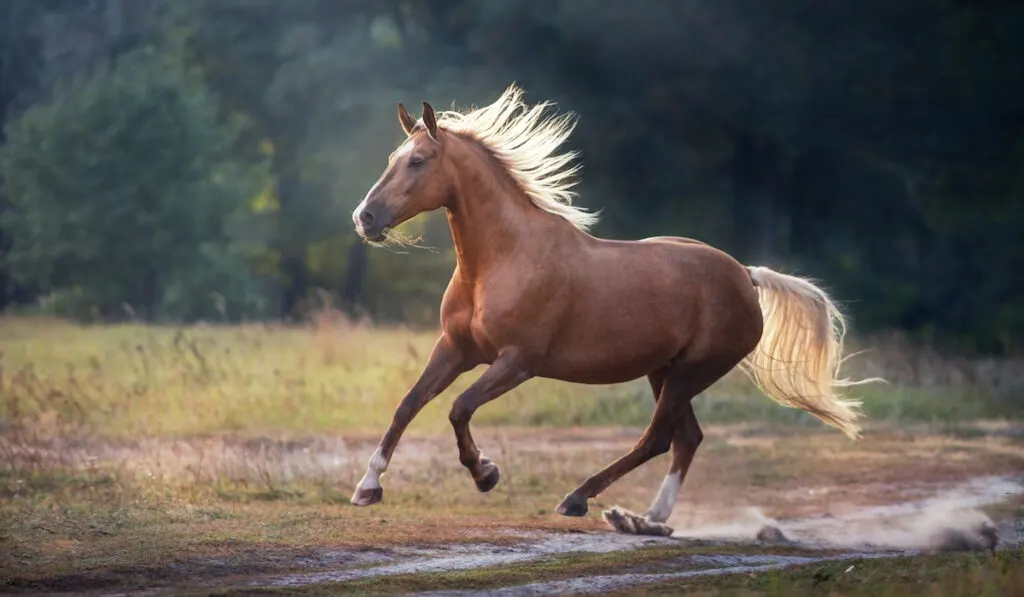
(371, 226)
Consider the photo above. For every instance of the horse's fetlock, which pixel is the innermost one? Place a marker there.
(470, 461)
(377, 463)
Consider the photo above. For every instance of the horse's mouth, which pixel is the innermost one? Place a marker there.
(380, 237)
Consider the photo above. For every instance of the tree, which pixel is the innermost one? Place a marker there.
(124, 192)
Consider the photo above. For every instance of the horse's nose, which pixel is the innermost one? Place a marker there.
(366, 219)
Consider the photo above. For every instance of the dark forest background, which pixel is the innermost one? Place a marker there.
(177, 160)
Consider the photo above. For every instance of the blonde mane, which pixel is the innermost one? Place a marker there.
(524, 141)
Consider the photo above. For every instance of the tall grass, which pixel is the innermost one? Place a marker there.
(333, 375)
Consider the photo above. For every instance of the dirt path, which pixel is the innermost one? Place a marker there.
(948, 521)
(589, 585)
(754, 502)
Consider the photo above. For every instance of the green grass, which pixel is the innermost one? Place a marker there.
(132, 454)
(948, 575)
(131, 380)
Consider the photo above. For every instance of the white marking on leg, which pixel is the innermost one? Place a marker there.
(661, 509)
(376, 467)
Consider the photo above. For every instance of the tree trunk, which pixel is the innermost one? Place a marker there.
(355, 275)
(291, 245)
(148, 295)
(296, 284)
(754, 213)
(809, 203)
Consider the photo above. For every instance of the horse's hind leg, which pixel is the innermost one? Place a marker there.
(656, 440)
(685, 441)
(671, 412)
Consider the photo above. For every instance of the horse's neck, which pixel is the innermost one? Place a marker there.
(489, 219)
(486, 228)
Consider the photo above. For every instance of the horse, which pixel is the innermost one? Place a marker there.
(534, 294)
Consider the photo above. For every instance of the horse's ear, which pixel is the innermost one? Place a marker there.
(408, 122)
(429, 120)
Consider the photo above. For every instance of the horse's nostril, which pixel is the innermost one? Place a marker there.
(366, 218)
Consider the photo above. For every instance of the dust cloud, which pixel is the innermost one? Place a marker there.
(950, 521)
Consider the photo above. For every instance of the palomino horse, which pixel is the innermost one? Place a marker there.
(534, 295)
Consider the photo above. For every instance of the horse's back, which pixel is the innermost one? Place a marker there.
(641, 302)
(679, 240)
(696, 261)
(713, 287)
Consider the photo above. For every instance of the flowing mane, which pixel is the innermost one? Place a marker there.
(524, 141)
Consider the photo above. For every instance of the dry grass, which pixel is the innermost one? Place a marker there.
(135, 455)
(131, 381)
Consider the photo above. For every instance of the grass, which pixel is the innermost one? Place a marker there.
(957, 575)
(133, 456)
(129, 381)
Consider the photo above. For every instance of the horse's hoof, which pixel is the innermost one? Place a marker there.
(489, 476)
(366, 497)
(572, 506)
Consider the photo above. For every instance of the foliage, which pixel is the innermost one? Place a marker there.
(874, 146)
(124, 191)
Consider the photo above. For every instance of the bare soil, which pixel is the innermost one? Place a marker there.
(754, 501)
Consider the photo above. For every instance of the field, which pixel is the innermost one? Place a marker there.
(220, 460)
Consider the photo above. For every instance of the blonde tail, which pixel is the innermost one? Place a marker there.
(797, 361)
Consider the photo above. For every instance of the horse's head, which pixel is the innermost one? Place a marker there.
(413, 182)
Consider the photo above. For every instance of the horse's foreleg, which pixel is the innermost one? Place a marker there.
(508, 371)
(445, 364)
(685, 441)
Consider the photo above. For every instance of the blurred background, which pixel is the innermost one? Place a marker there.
(198, 355)
(185, 160)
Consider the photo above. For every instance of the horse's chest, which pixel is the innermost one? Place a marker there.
(475, 324)
(489, 328)
(503, 313)
(500, 321)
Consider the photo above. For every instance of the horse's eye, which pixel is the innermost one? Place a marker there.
(415, 162)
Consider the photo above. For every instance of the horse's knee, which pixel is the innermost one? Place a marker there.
(459, 414)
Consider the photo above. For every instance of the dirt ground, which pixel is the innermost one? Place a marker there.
(266, 513)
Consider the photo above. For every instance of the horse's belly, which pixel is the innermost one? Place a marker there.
(625, 358)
